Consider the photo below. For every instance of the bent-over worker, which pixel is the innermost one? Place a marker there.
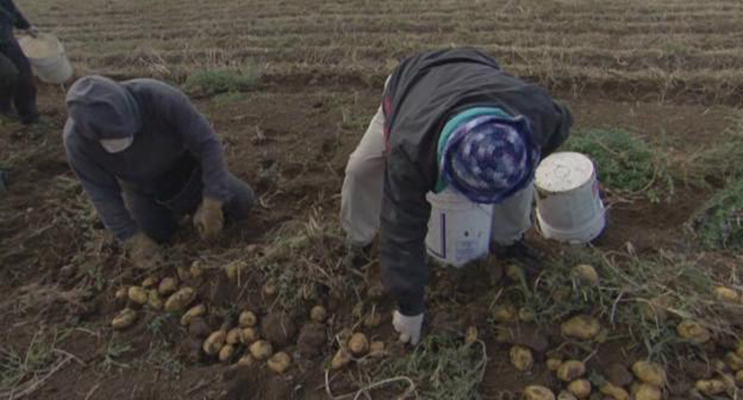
(16, 79)
(448, 119)
(144, 138)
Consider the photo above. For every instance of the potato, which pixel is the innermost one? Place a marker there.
(710, 387)
(340, 359)
(196, 270)
(122, 294)
(149, 282)
(505, 313)
(739, 377)
(167, 286)
(535, 392)
(580, 388)
(515, 273)
(373, 319)
(358, 344)
(270, 289)
(471, 335)
(318, 314)
(246, 361)
(138, 295)
(154, 300)
(718, 365)
(214, 343)
(124, 319)
(649, 372)
(226, 353)
(561, 294)
(180, 299)
(183, 273)
(248, 336)
(527, 315)
(613, 391)
(726, 295)
(247, 319)
(646, 391)
(571, 370)
(279, 363)
(586, 275)
(521, 358)
(565, 395)
(196, 311)
(233, 336)
(693, 332)
(553, 364)
(734, 361)
(377, 349)
(581, 327)
(235, 270)
(261, 349)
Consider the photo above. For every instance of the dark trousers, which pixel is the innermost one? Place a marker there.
(17, 83)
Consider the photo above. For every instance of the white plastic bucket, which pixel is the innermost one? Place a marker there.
(47, 57)
(458, 230)
(569, 208)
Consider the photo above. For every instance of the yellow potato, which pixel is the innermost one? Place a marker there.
(149, 282)
(649, 372)
(526, 315)
(726, 295)
(270, 289)
(154, 300)
(535, 392)
(580, 388)
(734, 361)
(515, 273)
(471, 335)
(245, 361)
(236, 270)
(196, 270)
(196, 311)
(279, 363)
(340, 359)
(739, 377)
(581, 327)
(124, 319)
(122, 294)
(571, 370)
(261, 350)
(248, 336)
(710, 387)
(376, 349)
(373, 319)
(138, 295)
(358, 344)
(167, 286)
(318, 314)
(247, 319)
(613, 391)
(233, 336)
(553, 364)
(693, 331)
(214, 343)
(180, 299)
(226, 353)
(586, 275)
(521, 358)
(565, 395)
(646, 391)
(505, 313)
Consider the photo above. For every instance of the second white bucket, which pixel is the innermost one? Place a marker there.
(569, 208)
(458, 230)
(47, 57)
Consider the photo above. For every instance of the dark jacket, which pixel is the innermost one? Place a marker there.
(422, 94)
(10, 17)
(166, 127)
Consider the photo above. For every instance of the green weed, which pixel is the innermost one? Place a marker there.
(19, 366)
(217, 81)
(719, 222)
(115, 349)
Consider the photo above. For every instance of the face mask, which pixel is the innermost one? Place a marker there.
(117, 145)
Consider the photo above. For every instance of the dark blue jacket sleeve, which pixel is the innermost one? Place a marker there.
(19, 21)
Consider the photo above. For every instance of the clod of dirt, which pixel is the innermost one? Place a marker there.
(247, 319)
(270, 289)
(278, 328)
(195, 311)
(246, 361)
(167, 286)
(124, 319)
(580, 388)
(505, 313)
(226, 353)
(586, 275)
(373, 319)
(650, 372)
(527, 315)
(261, 350)
(183, 273)
(693, 331)
(581, 327)
(149, 282)
(311, 340)
(196, 270)
(233, 336)
(571, 370)
(726, 294)
(525, 335)
(279, 363)
(618, 374)
(180, 299)
(553, 364)
(376, 291)
(565, 395)
(358, 344)
(646, 391)
(613, 391)
(248, 336)
(377, 349)
(340, 359)
(68, 271)
(198, 328)
(154, 300)
(471, 335)
(697, 370)
(710, 387)
(734, 361)
(318, 314)
(521, 358)
(214, 343)
(535, 392)
(138, 295)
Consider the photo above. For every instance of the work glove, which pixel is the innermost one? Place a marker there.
(143, 251)
(209, 218)
(409, 328)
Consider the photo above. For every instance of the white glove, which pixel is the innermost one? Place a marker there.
(408, 327)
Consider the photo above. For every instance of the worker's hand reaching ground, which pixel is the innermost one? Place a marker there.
(143, 251)
(408, 327)
(209, 218)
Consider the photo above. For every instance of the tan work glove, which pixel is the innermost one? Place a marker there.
(209, 218)
(143, 251)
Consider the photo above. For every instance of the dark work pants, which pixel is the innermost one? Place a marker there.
(17, 82)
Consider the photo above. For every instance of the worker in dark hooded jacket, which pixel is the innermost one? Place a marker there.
(144, 138)
(448, 119)
(16, 79)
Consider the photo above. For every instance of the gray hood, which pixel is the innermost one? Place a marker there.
(100, 108)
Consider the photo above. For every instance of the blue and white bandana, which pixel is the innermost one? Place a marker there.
(489, 158)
